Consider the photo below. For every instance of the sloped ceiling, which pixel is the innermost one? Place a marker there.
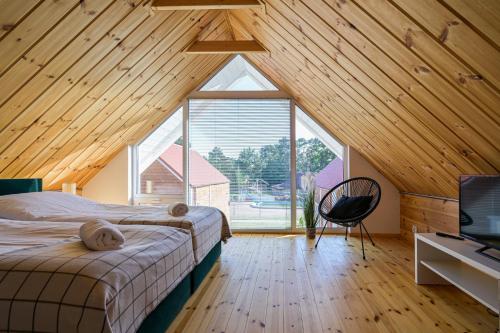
(412, 85)
(80, 79)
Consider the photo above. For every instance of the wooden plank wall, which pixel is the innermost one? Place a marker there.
(414, 86)
(428, 215)
(81, 79)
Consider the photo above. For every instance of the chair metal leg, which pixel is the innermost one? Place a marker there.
(371, 240)
(362, 244)
(315, 246)
(346, 228)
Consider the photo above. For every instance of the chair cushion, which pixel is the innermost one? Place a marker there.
(349, 207)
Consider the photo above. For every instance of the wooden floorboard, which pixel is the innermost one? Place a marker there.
(280, 283)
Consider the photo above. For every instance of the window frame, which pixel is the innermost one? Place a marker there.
(140, 198)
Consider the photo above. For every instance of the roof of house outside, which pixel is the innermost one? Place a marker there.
(202, 173)
(331, 175)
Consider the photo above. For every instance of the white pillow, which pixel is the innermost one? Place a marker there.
(37, 205)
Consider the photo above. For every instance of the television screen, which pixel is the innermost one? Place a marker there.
(480, 209)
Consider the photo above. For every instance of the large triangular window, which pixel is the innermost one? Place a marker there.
(242, 145)
(239, 75)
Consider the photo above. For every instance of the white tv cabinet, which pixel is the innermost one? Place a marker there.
(440, 260)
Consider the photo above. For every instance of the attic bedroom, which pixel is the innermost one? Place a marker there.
(249, 166)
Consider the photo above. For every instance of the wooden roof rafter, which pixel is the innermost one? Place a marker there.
(225, 47)
(233, 46)
(204, 4)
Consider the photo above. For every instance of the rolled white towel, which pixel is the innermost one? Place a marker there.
(100, 235)
(178, 209)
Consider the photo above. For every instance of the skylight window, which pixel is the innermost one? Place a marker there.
(239, 75)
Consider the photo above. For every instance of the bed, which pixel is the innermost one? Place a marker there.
(49, 280)
(208, 226)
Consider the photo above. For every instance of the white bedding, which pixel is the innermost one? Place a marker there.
(50, 282)
(207, 225)
(17, 235)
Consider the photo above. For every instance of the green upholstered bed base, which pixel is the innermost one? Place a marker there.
(160, 319)
(201, 270)
(15, 186)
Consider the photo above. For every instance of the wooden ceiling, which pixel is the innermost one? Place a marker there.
(80, 79)
(412, 85)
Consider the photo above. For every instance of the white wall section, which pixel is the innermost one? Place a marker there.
(113, 184)
(385, 218)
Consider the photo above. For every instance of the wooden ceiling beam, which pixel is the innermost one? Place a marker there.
(204, 4)
(225, 47)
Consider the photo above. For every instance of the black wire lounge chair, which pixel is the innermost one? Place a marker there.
(348, 203)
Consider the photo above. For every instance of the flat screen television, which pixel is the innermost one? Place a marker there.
(479, 204)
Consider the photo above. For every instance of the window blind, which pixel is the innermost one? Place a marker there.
(247, 145)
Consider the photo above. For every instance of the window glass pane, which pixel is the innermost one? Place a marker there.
(159, 160)
(238, 75)
(240, 160)
(319, 156)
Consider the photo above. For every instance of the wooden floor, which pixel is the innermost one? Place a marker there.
(273, 283)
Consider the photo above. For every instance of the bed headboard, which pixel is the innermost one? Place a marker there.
(14, 186)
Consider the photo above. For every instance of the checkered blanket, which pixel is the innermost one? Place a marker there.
(207, 225)
(50, 282)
